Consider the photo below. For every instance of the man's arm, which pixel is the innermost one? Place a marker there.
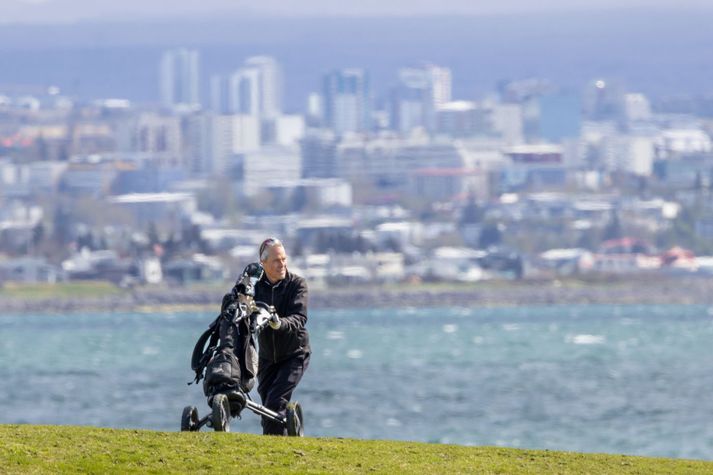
(296, 315)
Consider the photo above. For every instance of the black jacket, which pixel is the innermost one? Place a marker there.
(289, 297)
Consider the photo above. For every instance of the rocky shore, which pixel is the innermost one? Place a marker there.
(683, 290)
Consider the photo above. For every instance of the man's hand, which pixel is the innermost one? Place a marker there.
(274, 321)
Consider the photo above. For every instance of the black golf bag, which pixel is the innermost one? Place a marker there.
(225, 356)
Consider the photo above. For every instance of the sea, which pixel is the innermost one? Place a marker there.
(631, 379)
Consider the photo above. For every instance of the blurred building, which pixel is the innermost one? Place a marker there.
(637, 108)
(289, 130)
(270, 85)
(254, 89)
(603, 100)
(179, 78)
(90, 176)
(269, 166)
(534, 167)
(507, 123)
(319, 154)
(347, 107)
(417, 96)
(412, 104)
(387, 168)
(629, 153)
(220, 95)
(215, 141)
(441, 84)
(463, 119)
(151, 133)
(165, 211)
(683, 141)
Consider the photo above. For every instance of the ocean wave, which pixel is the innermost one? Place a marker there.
(586, 339)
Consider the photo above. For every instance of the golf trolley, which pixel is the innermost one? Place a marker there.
(226, 359)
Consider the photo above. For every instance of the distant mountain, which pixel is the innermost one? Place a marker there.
(658, 52)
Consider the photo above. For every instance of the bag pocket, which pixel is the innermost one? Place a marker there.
(223, 369)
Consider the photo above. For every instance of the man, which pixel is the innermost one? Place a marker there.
(284, 349)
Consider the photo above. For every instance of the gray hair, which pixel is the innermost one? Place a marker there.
(266, 245)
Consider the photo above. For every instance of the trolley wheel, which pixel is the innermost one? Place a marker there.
(221, 413)
(189, 419)
(295, 427)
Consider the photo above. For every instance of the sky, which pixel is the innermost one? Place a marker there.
(100, 48)
(68, 11)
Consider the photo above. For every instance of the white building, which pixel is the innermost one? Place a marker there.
(219, 95)
(538, 165)
(403, 233)
(673, 142)
(453, 264)
(629, 153)
(255, 89)
(216, 140)
(269, 167)
(346, 104)
(151, 133)
(289, 130)
(508, 123)
(637, 108)
(327, 192)
(419, 93)
(167, 209)
(14, 179)
(270, 83)
(441, 84)
(179, 78)
(457, 118)
(245, 92)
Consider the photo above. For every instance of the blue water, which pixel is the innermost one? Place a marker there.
(617, 379)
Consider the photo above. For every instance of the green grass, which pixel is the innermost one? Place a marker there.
(99, 289)
(79, 289)
(65, 449)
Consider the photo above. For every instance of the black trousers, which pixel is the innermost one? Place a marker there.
(276, 382)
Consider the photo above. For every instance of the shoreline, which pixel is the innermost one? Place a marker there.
(678, 290)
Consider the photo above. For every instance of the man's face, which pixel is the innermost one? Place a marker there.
(276, 264)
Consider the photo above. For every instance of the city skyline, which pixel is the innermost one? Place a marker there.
(91, 61)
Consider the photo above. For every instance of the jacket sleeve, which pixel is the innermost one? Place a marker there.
(296, 315)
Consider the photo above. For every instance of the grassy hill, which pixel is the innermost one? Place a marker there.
(65, 449)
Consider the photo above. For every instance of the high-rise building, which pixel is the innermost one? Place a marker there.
(629, 153)
(346, 101)
(220, 95)
(255, 89)
(215, 142)
(412, 104)
(459, 119)
(441, 84)
(270, 84)
(603, 100)
(245, 92)
(419, 94)
(178, 76)
(319, 155)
